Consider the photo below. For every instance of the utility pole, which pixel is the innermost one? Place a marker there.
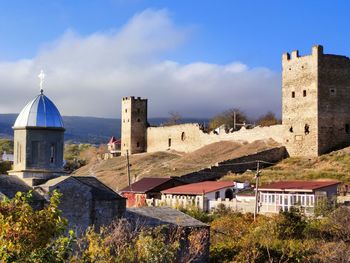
(128, 166)
(257, 175)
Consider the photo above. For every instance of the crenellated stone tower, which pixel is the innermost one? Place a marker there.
(315, 102)
(134, 125)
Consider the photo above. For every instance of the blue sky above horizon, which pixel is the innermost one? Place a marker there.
(200, 38)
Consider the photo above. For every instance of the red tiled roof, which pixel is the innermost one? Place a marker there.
(298, 185)
(199, 188)
(145, 184)
(114, 140)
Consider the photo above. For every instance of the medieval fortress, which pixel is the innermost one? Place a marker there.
(315, 113)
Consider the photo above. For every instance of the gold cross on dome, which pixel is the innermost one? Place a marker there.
(41, 76)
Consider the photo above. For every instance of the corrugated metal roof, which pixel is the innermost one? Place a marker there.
(146, 184)
(298, 185)
(199, 188)
(155, 216)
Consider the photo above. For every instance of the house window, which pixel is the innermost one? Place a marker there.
(347, 128)
(293, 94)
(217, 194)
(304, 93)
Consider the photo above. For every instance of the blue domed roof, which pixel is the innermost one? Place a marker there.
(40, 112)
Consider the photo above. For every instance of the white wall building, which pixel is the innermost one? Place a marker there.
(198, 194)
(286, 194)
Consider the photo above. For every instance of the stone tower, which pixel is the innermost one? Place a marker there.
(134, 125)
(315, 102)
(38, 141)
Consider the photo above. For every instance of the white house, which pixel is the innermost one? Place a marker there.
(5, 157)
(198, 194)
(283, 195)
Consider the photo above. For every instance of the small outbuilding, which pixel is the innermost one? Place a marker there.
(165, 216)
(147, 189)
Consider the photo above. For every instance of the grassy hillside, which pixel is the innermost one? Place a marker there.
(161, 164)
(335, 165)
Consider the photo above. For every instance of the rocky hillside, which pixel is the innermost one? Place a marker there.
(113, 171)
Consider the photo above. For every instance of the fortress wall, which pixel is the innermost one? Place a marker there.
(182, 137)
(189, 137)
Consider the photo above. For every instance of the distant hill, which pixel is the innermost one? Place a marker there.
(85, 129)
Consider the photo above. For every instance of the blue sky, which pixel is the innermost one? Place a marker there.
(217, 33)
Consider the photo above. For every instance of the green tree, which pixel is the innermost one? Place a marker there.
(6, 146)
(28, 235)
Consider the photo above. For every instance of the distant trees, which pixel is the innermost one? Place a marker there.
(173, 119)
(268, 119)
(235, 118)
(6, 145)
(230, 118)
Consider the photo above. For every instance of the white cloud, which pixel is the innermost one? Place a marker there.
(89, 75)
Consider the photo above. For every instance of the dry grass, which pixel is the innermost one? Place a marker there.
(161, 164)
(335, 165)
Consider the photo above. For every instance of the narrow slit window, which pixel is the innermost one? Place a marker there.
(293, 94)
(304, 93)
(347, 128)
(137, 144)
(52, 153)
(169, 142)
(306, 129)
